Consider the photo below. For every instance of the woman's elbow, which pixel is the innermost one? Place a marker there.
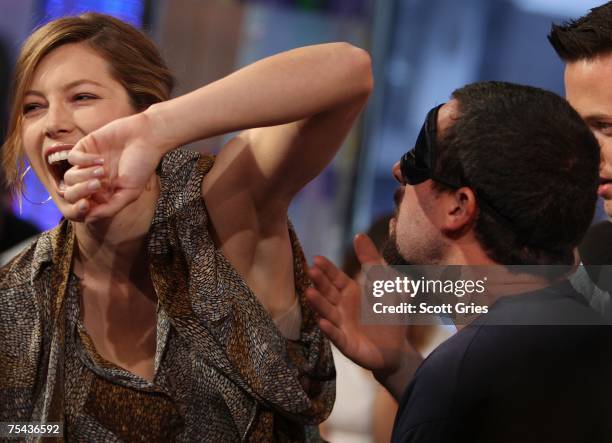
(357, 64)
(363, 64)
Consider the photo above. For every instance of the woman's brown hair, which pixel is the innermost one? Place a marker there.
(133, 59)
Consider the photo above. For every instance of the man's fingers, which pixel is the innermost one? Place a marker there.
(366, 251)
(335, 335)
(78, 174)
(323, 285)
(322, 306)
(338, 278)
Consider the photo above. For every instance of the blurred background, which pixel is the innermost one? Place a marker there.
(421, 49)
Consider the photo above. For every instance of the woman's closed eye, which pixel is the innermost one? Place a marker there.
(84, 97)
(31, 107)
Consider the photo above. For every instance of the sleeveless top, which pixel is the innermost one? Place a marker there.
(223, 372)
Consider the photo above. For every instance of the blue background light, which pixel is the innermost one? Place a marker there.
(126, 10)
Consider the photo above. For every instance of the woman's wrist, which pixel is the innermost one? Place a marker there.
(162, 135)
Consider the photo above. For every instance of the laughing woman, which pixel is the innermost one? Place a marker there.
(168, 304)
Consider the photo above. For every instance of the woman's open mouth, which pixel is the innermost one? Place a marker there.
(57, 160)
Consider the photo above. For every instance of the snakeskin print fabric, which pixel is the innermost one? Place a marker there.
(223, 372)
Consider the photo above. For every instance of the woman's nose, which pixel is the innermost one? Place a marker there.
(59, 121)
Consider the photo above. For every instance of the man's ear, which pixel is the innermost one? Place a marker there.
(461, 209)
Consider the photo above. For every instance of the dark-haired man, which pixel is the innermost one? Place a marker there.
(486, 184)
(585, 45)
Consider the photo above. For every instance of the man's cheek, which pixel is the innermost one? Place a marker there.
(605, 143)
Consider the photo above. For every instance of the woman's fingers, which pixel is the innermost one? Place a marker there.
(83, 190)
(77, 157)
(78, 174)
(118, 200)
(78, 210)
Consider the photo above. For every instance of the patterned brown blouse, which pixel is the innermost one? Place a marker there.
(223, 372)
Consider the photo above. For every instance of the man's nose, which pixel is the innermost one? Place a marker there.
(59, 121)
(397, 173)
(605, 146)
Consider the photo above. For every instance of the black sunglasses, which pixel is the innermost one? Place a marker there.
(417, 164)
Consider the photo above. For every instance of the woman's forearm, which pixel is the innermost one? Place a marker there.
(279, 89)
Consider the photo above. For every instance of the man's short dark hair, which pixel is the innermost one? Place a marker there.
(586, 37)
(533, 165)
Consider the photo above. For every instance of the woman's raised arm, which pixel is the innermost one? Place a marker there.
(302, 102)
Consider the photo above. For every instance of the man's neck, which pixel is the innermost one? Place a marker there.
(501, 281)
(466, 252)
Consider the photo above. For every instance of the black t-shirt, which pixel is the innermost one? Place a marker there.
(507, 383)
(595, 246)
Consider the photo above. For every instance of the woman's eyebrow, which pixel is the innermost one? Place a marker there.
(67, 86)
(82, 81)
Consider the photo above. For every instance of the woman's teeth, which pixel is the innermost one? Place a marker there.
(57, 156)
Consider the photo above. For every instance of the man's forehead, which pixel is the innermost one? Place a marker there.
(588, 70)
(588, 85)
(447, 114)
